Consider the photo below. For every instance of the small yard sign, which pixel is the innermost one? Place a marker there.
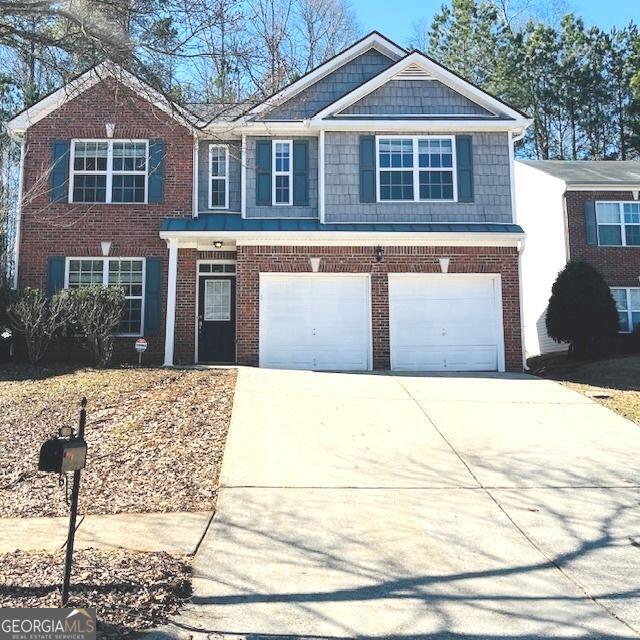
(141, 347)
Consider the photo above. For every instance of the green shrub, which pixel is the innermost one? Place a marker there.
(38, 318)
(581, 310)
(96, 314)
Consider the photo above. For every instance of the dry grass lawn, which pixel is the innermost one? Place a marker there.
(613, 382)
(155, 438)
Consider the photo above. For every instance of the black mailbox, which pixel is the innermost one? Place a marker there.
(59, 455)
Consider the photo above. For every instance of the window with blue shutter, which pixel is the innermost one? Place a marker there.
(153, 297)
(301, 173)
(55, 274)
(59, 177)
(263, 173)
(156, 171)
(367, 169)
(464, 162)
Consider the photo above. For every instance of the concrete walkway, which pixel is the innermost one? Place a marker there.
(171, 532)
(371, 506)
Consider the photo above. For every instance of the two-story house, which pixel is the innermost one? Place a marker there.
(578, 210)
(362, 217)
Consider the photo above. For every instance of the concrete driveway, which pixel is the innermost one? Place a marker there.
(454, 506)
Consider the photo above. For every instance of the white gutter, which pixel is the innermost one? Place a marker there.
(267, 128)
(348, 238)
(16, 248)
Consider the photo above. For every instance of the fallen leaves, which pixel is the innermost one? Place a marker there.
(130, 591)
(155, 438)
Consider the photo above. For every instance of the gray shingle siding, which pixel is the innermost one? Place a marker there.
(234, 174)
(254, 211)
(330, 88)
(415, 97)
(492, 190)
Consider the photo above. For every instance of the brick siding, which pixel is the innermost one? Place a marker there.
(61, 229)
(253, 260)
(620, 266)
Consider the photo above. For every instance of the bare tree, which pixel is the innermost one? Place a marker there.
(323, 28)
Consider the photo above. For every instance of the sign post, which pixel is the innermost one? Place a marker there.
(141, 347)
(75, 491)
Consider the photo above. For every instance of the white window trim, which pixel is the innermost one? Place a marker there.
(275, 173)
(225, 178)
(416, 169)
(109, 172)
(621, 223)
(105, 283)
(630, 310)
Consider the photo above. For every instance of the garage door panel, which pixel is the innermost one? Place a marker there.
(315, 322)
(440, 322)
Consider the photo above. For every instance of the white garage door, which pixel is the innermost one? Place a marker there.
(315, 321)
(445, 322)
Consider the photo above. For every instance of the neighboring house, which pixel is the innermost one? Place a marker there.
(362, 217)
(578, 210)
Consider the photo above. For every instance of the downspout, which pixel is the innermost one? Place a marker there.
(195, 172)
(521, 243)
(16, 248)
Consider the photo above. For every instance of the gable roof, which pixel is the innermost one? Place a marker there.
(417, 64)
(78, 85)
(373, 40)
(583, 173)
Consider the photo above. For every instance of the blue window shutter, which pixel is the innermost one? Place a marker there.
(263, 173)
(464, 165)
(60, 170)
(590, 221)
(301, 173)
(367, 169)
(152, 296)
(55, 274)
(156, 171)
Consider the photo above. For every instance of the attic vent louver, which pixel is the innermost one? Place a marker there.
(413, 72)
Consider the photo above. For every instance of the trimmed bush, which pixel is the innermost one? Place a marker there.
(38, 318)
(581, 310)
(96, 314)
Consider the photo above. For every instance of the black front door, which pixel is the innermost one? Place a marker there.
(217, 319)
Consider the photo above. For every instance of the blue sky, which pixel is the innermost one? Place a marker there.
(395, 18)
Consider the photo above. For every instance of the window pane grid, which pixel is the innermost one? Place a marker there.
(217, 300)
(218, 176)
(125, 273)
(627, 301)
(109, 171)
(282, 169)
(618, 223)
(416, 169)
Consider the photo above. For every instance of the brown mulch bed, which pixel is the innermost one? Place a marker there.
(155, 438)
(129, 591)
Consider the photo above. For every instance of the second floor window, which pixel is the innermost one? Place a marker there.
(109, 171)
(618, 224)
(282, 171)
(218, 176)
(416, 168)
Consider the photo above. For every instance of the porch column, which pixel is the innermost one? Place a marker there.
(171, 303)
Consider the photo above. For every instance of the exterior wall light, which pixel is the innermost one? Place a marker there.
(217, 244)
(378, 252)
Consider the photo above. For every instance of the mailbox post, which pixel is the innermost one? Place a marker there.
(59, 455)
